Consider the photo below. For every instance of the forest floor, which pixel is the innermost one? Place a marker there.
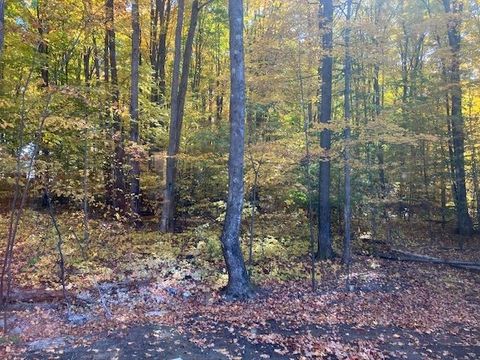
(154, 307)
(395, 310)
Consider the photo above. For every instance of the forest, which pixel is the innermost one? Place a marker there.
(239, 179)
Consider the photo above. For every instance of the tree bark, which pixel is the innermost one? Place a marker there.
(119, 202)
(176, 119)
(96, 59)
(325, 250)
(155, 6)
(400, 255)
(107, 168)
(43, 50)
(380, 148)
(166, 222)
(86, 66)
(160, 19)
(347, 241)
(464, 222)
(475, 182)
(134, 117)
(162, 52)
(238, 280)
(473, 146)
(2, 26)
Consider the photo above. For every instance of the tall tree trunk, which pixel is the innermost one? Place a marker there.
(379, 148)
(443, 190)
(43, 50)
(476, 187)
(176, 119)
(162, 52)
(347, 241)
(96, 59)
(107, 166)
(473, 145)
(218, 70)
(464, 222)
(119, 202)
(187, 58)
(197, 73)
(238, 280)
(154, 15)
(86, 66)
(134, 135)
(166, 222)
(159, 21)
(2, 26)
(325, 250)
(451, 156)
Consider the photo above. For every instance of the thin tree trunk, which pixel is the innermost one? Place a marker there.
(443, 190)
(380, 150)
(238, 280)
(451, 156)
(162, 53)
(43, 50)
(347, 241)
(197, 73)
(2, 26)
(134, 134)
(96, 59)
(166, 222)
(86, 66)
(464, 222)
(86, 231)
(159, 21)
(119, 202)
(2, 42)
(187, 58)
(107, 168)
(307, 120)
(475, 182)
(325, 250)
(177, 112)
(252, 218)
(154, 16)
(476, 188)
(218, 89)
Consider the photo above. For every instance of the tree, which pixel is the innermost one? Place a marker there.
(464, 222)
(159, 23)
(177, 109)
(134, 135)
(2, 25)
(238, 280)
(347, 241)
(166, 221)
(325, 250)
(119, 202)
(43, 47)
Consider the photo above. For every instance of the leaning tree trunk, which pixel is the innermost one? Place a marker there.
(464, 222)
(325, 250)
(134, 135)
(238, 280)
(177, 111)
(119, 202)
